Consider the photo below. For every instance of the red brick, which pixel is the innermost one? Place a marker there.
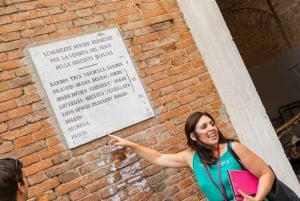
(46, 29)
(38, 167)
(78, 194)
(12, 36)
(13, 45)
(34, 23)
(7, 95)
(50, 151)
(15, 113)
(40, 38)
(15, 54)
(3, 127)
(27, 99)
(153, 13)
(26, 6)
(7, 28)
(89, 20)
(49, 3)
(37, 115)
(145, 38)
(6, 75)
(23, 141)
(127, 11)
(30, 128)
(8, 105)
(43, 187)
(4, 86)
(174, 113)
(135, 25)
(21, 16)
(5, 10)
(11, 64)
(84, 12)
(5, 20)
(60, 18)
(66, 33)
(108, 7)
(3, 57)
(16, 123)
(67, 187)
(80, 5)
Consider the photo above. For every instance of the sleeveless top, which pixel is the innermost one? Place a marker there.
(212, 193)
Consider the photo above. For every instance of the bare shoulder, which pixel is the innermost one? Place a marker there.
(188, 155)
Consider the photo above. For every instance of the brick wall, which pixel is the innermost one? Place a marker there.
(170, 67)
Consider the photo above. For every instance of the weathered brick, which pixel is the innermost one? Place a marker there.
(145, 38)
(13, 45)
(50, 3)
(12, 64)
(21, 132)
(108, 7)
(6, 75)
(3, 128)
(3, 57)
(89, 20)
(4, 86)
(46, 153)
(37, 115)
(31, 14)
(16, 123)
(23, 141)
(34, 23)
(38, 167)
(15, 113)
(7, 28)
(26, 6)
(60, 18)
(27, 99)
(4, 20)
(78, 194)
(67, 187)
(5, 10)
(36, 31)
(80, 5)
(6, 147)
(20, 81)
(8, 105)
(84, 12)
(12, 36)
(15, 54)
(43, 187)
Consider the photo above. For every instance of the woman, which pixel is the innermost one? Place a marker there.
(206, 146)
(13, 186)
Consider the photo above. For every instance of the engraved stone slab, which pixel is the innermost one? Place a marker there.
(92, 85)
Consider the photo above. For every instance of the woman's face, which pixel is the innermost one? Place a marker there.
(207, 131)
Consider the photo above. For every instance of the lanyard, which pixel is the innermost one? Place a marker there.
(223, 192)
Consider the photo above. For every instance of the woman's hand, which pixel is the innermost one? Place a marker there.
(247, 197)
(118, 141)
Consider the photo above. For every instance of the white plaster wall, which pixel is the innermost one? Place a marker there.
(235, 86)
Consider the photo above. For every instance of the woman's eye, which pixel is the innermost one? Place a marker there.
(203, 126)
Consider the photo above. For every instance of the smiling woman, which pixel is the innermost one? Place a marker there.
(208, 156)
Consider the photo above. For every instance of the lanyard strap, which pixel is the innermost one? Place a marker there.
(223, 192)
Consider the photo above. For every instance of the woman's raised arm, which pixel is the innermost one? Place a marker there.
(180, 159)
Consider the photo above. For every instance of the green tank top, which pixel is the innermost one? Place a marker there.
(212, 193)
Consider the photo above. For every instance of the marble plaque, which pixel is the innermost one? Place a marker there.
(92, 85)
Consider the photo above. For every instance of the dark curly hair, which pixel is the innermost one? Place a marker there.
(204, 151)
(10, 175)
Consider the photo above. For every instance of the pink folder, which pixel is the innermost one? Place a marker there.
(243, 180)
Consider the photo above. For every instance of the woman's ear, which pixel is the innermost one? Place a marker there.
(193, 137)
(21, 187)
